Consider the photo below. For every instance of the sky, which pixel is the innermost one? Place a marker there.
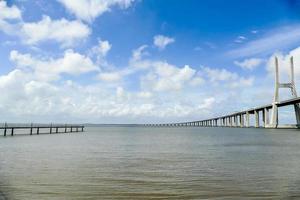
(143, 61)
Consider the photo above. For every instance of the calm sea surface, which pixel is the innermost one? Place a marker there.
(152, 163)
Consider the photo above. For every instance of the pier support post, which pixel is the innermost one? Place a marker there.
(31, 129)
(38, 130)
(5, 126)
(12, 131)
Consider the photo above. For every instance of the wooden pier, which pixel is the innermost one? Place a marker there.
(35, 129)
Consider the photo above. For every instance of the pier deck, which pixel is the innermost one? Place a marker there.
(9, 129)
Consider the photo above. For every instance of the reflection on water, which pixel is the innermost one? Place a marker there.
(152, 163)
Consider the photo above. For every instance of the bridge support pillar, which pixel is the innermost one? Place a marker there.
(266, 117)
(256, 112)
(247, 120)
(241, 120)
(235, 120)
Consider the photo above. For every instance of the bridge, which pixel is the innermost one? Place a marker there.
(242, 118)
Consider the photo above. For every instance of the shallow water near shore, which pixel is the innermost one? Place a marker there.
(152, 163)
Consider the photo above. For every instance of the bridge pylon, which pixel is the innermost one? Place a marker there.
(278, 85)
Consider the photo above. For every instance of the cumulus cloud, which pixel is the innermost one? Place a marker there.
(102, 48)
(110, 76)
(99, 52)
(62, 31)
(9, 13)
(50, 69)
(227, 78)
(207, 103)
(35, 89)
(166, 77)
(250, 63)
(144, 94)
(30, 96)
(161, 41)
(88, 10)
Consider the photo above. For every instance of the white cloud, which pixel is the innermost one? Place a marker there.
(34, 99)
(62, 31)
(9, 12)
(145, 95)
(197, 81)
(138, 53)
(162, 41)
(88, 10)
(240, 39)
(99, 52)
(110, 76)
(120, 93)
(50, 69)
(227, 78)
(275, 40)
(251, 63)
(165, 91)
(207, 103)
(6, 14)
(102, 48)
(166, 77)
(219, 74)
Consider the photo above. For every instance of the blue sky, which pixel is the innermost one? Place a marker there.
(136, 61)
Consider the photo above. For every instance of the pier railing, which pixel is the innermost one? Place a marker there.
(33, 128)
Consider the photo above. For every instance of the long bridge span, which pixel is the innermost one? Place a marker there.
(268, 113)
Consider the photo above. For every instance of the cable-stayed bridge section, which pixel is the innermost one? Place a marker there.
(268, 113)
